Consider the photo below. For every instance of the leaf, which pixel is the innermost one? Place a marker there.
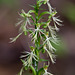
(31, 11)
(32, 48)
(43, 13)
(32, 68)
(44, 26)
(22, 15)
(42, 60)
(24, 30)
(25, 33)
(23, 61)
(32, 6)
(42, 23)
(40, 4)
(43, 50)
(30, 31)
(33, 19)
(40, 71)
(26, 67)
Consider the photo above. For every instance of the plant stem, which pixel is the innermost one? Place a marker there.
(37, 41)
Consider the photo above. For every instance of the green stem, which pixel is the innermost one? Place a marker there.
(40, 71)
(37, 42)
(32, 68)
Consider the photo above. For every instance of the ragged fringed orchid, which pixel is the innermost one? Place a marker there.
(43, 36)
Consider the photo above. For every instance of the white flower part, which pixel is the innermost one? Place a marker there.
(44, 0)
(15, 38)
(47, 73)
(35, 37)
(56, 28)
(21, 21)
(21, 71)
(57, 21)
(53, 34)
(24, 22)
(34, 34)
(51, 55)
(49, 6)
(26, 14)
(37, 29)
(48, 42)
(52, 30)
(28, 60)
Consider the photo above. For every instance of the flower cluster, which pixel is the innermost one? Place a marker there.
(43, 35)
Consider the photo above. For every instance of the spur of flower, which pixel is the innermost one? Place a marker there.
(28, 61)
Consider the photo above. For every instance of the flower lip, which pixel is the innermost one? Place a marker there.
(37, 29)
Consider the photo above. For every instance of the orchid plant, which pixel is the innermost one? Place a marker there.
(42, 35)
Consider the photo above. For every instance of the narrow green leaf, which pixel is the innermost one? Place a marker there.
(42, 60)
(40, 71)
(32, 68)
(43, 13)
(33, 6)
(43, 50)
(25, 33)
(31, 11)
(44, 26)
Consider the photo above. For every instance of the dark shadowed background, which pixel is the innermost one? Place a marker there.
(10, 52)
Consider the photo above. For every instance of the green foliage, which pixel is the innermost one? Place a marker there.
(43, 36)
